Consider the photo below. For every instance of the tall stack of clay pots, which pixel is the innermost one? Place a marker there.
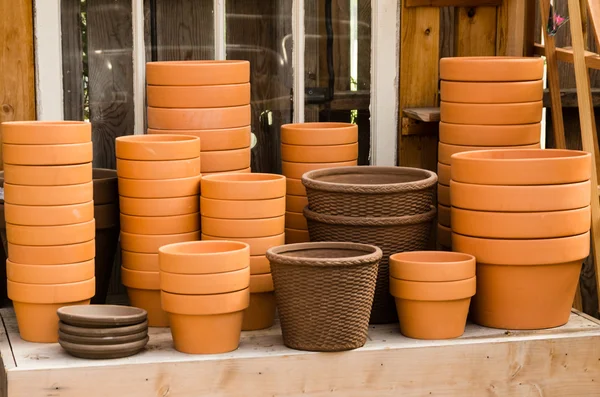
(525, 216)
(249, 208)
(307, 147)
(50, 226)
(486, 102)
(207, 99)
(159, 187)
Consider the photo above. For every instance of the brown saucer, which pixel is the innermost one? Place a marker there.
(101, 340)
(101, 316)
(100, 332)
(104, 351)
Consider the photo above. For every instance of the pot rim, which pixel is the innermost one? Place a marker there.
(480, 155)
(432, 266)
(280, 254)
(198, 305)
(205, 283)
(51, 293)
(433, 291)
(237, 247)
(156, 139)
(370, 221)
(260, 283)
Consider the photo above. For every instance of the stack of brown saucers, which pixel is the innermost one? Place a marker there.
(102, 331)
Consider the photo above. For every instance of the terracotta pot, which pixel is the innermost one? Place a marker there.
(197, 72)
(445, 151)
(77, 153)
(50, 274)
(253, 186)
(444, 236)
(522, 167)
(443, 171)
(204, 257)
(319, 134)
(165, 188)
(205, 284)
(158, 169)
(258, 245)
(259, 265)
(138, 261)
(107, 241)
(524, 284)
(51, 235)
(295, 187)
(444, 215)
(495, 92)
(241, 171)
(260, 313)
(295, 220)
(319, 154)
(106, 216)
(296, 170)
(194, 96)
(46, 132)
(157, 147)
(491, 114)
(36, 305)
(149, 244)
(491, 68)
(443, 195)
(521, 198)
(225, 160)
(220, 139)
(248, 228)
(199, 119)
(159, 207)
(58, 175)
(206, 324)
(432, 266)
(29, 215)
(293, 236)
(106, 189)
(242, 209)
(295, 203)
(490, 135)
(48, 195)
(52, 255)
(160, 224)
(143, 289)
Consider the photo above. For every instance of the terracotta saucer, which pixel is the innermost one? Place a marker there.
(104, 351)
(102, 340)
(102, 332)
(101, 316)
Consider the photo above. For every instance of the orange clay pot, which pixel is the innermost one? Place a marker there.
(204, 257)
(51, 235)
(443, 195)
(293, 236)
(160, 206)
(319, 154)
(149, 244)
(490, 135)
(296, 170)
(36, 305)
(174, 224)
(158, 169)
(496, 92)
(165, 188)
(197, 72)
(205, 284)
(220, 139)
(522, 167)
(138, 261)
(432, 310)
(48, 195)
(206, 324)
(55, 215)
(243, 186)
(319, 134)
(445, 151)
(521, 198)
(225, 160)
(436, 266)
(295, 220)
(260, 313)
(58, 175)
(295, 187)
(207, 96)
(295, 203)
(248, 228)
(76, 153)
(444, 215)
(491, 114)
(242, 209)
(50, 274)
(444, 236)
(199, 119)
(525, 284)
(443, 171)
(143, 289)
(259, 265)
(491, 68)
(258, 245)
(46, 132)
(52, 255)
(242, 171)
(157, 147)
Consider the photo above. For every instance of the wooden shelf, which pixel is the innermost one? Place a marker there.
(426, 115)
(592, 60)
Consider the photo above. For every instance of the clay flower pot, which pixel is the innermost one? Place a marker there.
(293, 236)
(51, 235)
(445, 151)
(254, 186)
(192, 73)
(143, 289)
(246, 228)
(50, 274)
(218, 139)
(260, 313)
(295, 203)
(199, 118)
(206, 96)
(157, 147)
(52, 254)
(258, 245)
(48, 195)
(169, 169)
(39, 175)
(491, 114)
(205, 284)
(489, 135)
(295, 187)
(296, 170)
(164, 188)
(444, 215)
(29, 215)
(46, 132)
(155, 225)
(319, 134)
(139, 261)
(259, 265)
(491, 68)
(150, 243)
(444, 236)
(241, 171)
(433, 291)
(443, 171)
(225, 160)
(495, 92)
(159, 207)
(77, 153)
(294, 220)
(319, 154)
(204, 257)
(242, 209)
(443, 195)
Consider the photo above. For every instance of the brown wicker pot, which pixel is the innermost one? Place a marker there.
(391, 234)
(324, 293)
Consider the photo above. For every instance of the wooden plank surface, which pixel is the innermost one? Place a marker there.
(72, 53)
(475, 31)
(446, 32)
(511, 28)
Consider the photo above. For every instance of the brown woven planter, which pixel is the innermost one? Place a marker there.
(392, 235)
(370, 191)
(324, 293)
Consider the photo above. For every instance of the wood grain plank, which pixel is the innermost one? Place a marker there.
(475, 31)
(72, 53)
(446, 32)
(511, 27)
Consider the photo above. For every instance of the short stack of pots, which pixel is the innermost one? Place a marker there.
(307, 147)
(50, 226)
(248, 208)
(207, 99)
(525, 216)
(205, 290)
(159, 190)
(486, 103)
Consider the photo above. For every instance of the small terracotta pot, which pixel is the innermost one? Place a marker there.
(199, 119)
(443, 195)
(159, 207)
(48, 195)
(253, 186)
(149, 244)
(443, 171)
(175, 224)
(205, 284)
(295, 187)
(444, 236)
(445, 151)
(32, 175)
(204, 257)
(157, 147)
(490, 135)
(52, 255)
(143, 289)
(258, 245)
(51, 235)
(491, 68)
(295, 203)
(169, 169)
(197, 72)
(206, 96)
(248, 228)
(259, 265)
(295, 220)
(242, 209)
(296, 170)
(165, 188)
(495, 92)
(29, 215)
(46, 132)
(260, 313)
(220, 139)
(293, 236)
(432, 266)
(242, 171)
(50, 274)
(138, 261)
(444, 217)
(319, 134)
(225, 160)
(319, 154)
(522, 167)
(491, 114)
(106, 187)
(77, 153)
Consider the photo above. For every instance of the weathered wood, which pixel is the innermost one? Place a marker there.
(511, 27)
(565, 54)
(446, 32)
(72, 54)
(426, 114)
(475, 31)
(415, 127)
(452, 3)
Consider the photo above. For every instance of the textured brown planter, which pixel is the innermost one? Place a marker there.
(495, 92)
(207, 96)
(198, 72)
(199, 119)
(491, 114)
(490, 135)
(219, 139)
(319, 134)
(491, 68)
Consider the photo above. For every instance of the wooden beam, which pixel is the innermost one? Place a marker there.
(511, 28)
(475, 31)
(592, 60)
(452, 3)
(427, 114)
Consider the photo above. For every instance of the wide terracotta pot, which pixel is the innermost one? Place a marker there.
(248, 228)
(52, 254)
(242, 209)
(165, 188)
(260, 313)
(444, 217)
(219, 139)
(204, 257)
(295, 220)
(494, 68)
(319, 154)
(205, 284)
(143, 289)
(253, 186)
(39, 175)
(51, 235)
(157, 147)
(159, 207)
(445, 151)
(150, 243)
(293, 236)
(206, 324)
(169, 169)
(140, 261)
(494, 92)
(46, 132)
(225, 160)
(154, 225)
(258, 245)
(199, 119)
(490, 135)
(259, 265)
(443, 171)
(295, 203)
(319, 134)
(295, 187)
(444, 236)
(77, 153)
(522, 167)
(106, 188)
(491, 114)
(50, 274)
(30, 215)
(296, 170)
(207, 96)
(524, 283)
(197, 72)
(48, 195)
(443, 195)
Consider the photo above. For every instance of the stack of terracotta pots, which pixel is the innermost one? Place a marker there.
(50, 226)
(307, 147)
(248, 208)
(525, 216)
(486, 102)
(207, 99)
(159, 187)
